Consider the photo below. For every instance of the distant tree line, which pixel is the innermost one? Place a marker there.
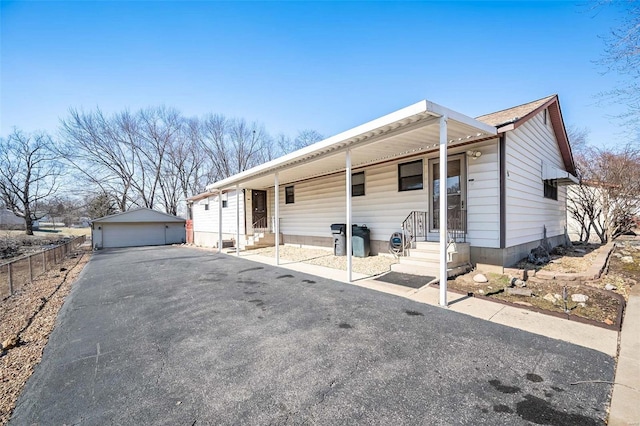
(101, 163)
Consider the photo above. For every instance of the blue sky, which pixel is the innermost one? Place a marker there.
(327, 66)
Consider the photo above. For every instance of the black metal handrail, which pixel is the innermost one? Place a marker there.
(262, 224)
(416, 226)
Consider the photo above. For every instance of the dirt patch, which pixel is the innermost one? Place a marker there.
(17, 243)
(600, 305)
(578, 258)
(600, 300)
(27, 318)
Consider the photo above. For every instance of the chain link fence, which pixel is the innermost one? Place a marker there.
(16, 274)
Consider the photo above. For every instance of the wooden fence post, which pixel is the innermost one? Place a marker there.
(44, 261)
(30, 269)
(10, 279)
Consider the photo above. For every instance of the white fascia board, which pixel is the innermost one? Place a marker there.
(343, 139)
(319, 147)
(461, 118)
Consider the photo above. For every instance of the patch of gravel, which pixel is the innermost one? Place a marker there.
(29, 316)
(372, 265)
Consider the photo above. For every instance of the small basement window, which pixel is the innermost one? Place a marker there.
(357, 184)
(551, 189)
(410, 176)
(288, 195)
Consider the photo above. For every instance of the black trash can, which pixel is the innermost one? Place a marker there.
(339, 239)
(360, 241)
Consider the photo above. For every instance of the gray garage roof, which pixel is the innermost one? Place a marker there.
(140, 215)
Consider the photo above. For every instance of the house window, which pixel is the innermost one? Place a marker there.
(225, 203)
(225, 199)
(410, 176)
(206, 206)
(357, 184)
(288, 195)
(551, 189)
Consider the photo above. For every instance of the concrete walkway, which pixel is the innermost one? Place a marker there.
(625, 406)
(625, 401)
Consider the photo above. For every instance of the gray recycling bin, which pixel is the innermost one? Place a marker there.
(339, 239)
(360, 241)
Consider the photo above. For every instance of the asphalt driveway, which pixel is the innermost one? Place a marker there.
(179, 336)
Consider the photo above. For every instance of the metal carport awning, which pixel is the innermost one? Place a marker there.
(421, 127)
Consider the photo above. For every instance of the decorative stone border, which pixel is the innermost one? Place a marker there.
(564, 278)
(617, 324)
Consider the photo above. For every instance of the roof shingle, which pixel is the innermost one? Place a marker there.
(512, 115)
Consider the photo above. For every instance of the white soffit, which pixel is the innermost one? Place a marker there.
(411, 130)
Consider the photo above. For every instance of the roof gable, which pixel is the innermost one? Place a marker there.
(142, 214)
(512, 118)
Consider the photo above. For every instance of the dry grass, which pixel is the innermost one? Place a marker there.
(30, 315)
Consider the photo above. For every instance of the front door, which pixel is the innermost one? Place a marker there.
(456, 194)
(259, 203)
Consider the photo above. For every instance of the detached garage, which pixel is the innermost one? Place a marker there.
(139, 227)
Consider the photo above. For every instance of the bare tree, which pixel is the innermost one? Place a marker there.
(608, 196)
(622, 57)
(101, 205)
(184, 170)
(157, 131)
(101, 152)
(29, 173)
(284, 144)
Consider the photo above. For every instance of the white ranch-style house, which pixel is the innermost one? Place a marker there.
(504, 174)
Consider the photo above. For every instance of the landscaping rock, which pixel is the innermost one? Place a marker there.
(481, 291)
(518, 291)
(523, 303)
(581, 251)
(608, 321)
(617, 255)
(579, 298)
(625, 253)
(517, 282)
(539, 256)
(550, 298)
(610, 287)
(480, 278)
(626, 259)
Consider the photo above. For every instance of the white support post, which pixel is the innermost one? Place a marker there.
(276, 225)
(237, 220)
(348, 230)
(220, 221)
(443, 211)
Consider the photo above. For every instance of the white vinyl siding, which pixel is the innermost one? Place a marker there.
(527, 209)
(483, 197)
(321, 202)
(207, 220)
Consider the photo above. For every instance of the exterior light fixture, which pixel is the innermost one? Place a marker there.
(474, 154)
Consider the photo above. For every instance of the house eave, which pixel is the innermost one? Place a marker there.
(404, 132)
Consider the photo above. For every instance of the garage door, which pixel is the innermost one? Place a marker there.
(133, 235)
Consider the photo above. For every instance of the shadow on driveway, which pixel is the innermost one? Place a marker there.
(171, 335)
